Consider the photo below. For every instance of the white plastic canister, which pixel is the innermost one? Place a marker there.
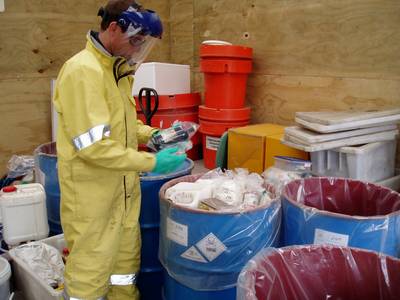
(24, 215)
(5, 274)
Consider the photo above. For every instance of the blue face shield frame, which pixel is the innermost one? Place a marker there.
(145, 22)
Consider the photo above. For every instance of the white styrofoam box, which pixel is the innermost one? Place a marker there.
(24, 213)
(166, 79)
(370, 162)
(33, 287)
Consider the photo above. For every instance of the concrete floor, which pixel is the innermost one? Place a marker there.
(199, 167)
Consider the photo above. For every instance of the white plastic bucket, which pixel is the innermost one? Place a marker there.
(5, 274)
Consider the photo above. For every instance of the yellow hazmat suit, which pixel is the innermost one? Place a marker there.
(98, 164)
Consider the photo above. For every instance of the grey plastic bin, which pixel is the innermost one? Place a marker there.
(33, 287)
(370, 162)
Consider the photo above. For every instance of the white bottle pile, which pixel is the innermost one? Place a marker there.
(285, 170)
(222, 191)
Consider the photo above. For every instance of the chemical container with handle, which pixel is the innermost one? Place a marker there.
(23, 210)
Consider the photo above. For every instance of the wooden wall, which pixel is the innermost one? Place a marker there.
(308, 54)
(36, 38)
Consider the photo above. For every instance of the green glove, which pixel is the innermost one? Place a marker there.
(168, 161)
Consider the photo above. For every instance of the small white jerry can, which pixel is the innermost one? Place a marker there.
(24, 215)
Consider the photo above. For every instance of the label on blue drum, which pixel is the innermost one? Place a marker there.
(193, 254)
(211, 247)
(328, 237)
(177, 232)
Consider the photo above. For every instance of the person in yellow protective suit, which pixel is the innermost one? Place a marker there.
(98, 157)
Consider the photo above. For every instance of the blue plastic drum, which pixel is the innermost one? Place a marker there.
(341, 212)
(46, 156)
(204, 251)
(151, 278)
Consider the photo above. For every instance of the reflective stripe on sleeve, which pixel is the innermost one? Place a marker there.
(92, 136)
(123, 279)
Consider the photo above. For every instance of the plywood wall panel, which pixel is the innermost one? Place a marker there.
(198, 83)
(75, 7)
(72, 7)
(276, 99)
(38, 46)
(161, 7)
(25, 116)
(318, 38)
(182, 32)
(181, 29)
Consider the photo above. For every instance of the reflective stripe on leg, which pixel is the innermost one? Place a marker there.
(126, 279)
(72, 298)
(66, 297)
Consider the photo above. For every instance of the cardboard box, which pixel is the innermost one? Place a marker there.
(254, 147)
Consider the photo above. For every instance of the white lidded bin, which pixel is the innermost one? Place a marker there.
(32, 286)
(166, 79)
(23, 211)
(5, 274)
(370, 162)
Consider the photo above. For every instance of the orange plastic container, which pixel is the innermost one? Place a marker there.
(213, 123)
(226, 51)
(181, 107)
(225, 69)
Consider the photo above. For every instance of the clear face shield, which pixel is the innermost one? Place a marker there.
(141, 46)
(142, 31)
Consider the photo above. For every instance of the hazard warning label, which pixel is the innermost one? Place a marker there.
(193, 254)
(211, 247)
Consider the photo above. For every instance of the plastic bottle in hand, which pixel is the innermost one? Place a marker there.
(179, 132)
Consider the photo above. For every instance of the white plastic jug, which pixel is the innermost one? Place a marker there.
(23, 211)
